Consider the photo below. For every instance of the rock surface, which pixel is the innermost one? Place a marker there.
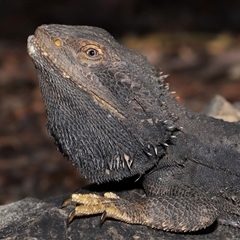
(33, 218)
(220, 108)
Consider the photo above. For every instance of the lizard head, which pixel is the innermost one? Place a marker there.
(103, 101)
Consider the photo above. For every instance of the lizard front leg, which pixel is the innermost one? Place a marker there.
(170, 213)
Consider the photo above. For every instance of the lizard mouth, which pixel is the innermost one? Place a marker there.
(30, 45)
(35, 49)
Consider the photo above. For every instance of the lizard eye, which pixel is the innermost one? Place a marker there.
(91, 52)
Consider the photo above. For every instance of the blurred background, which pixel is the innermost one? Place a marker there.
(196, 42)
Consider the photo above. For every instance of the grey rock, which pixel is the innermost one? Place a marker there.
(33, 218)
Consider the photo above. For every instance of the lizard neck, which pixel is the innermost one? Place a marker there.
(100, 146)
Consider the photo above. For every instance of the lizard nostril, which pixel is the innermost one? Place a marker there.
(58, 42)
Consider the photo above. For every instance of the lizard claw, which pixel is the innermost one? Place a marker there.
(103, 217)
(66, 202)
(71, 216)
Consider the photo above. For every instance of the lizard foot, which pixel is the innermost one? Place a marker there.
(110, 205)
(170, 213)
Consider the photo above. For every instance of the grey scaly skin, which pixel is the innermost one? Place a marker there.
(110, 114)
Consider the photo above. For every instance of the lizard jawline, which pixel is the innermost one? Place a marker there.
(33, 46)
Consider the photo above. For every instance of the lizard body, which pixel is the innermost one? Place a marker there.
(110, 113)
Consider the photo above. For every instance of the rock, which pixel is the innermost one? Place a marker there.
(220, 108)
(33, 218)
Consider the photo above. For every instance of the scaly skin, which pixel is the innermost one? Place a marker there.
(110, 113)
